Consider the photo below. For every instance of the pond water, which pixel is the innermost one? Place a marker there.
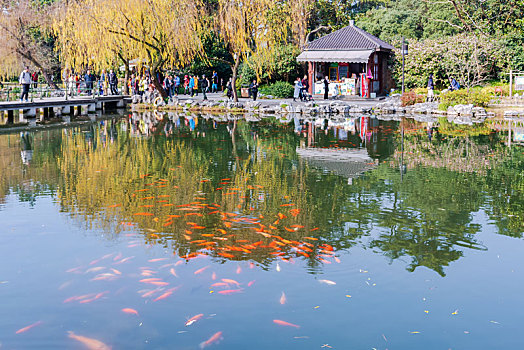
(191, 232)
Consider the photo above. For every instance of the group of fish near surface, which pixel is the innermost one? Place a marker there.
(269, 240)
(160, 284)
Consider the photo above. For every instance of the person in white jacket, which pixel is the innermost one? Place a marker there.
(25, 82)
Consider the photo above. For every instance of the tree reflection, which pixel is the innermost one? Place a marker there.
(234, 189)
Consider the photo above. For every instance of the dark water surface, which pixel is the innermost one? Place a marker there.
(356, 236)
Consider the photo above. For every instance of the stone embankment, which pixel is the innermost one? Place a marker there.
(262, 107)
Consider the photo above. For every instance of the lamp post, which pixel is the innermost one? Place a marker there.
(404, 53)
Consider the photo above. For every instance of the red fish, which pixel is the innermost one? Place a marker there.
(215, 338)
(25, 329)
(284, 323)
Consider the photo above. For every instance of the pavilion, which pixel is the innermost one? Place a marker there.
(355, 61)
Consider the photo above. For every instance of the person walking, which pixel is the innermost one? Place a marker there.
(204, 84)
(89, 78)
(326, 88)
(298, 90)
(253, 88)
(113, 82)
(214, 80)
(191, 86)
(25, 82)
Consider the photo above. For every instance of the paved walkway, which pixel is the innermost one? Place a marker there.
(355, 101)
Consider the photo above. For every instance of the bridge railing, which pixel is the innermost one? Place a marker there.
(12, 91)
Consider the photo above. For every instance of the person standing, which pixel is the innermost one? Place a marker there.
(431, 88)
(326, 88)
(204, 84)
(186, 84)
(454, 84)
(34, 78)
(298, 90)
(89, 78)
(195, 88)
(25, 82)
(214, 79)
(113, 82)
(254, 89)
(305, 87)
(229, 89)
(177, 84)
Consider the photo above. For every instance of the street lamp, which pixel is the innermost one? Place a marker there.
(404, 53)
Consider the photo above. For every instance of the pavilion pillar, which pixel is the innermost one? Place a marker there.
(311, 76)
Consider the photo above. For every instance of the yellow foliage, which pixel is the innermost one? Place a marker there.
(155, 32)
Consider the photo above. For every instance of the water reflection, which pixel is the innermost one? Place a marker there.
(274, 190)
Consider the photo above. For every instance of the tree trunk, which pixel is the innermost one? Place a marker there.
(49, 79)
(234, 78)
(156, 82)
(126, 86)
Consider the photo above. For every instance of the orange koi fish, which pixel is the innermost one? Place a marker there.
(230, 281)
(214, 276)
(130, 311)
(219, 284)
(287, 205)
(113, 206)
(215, 338)
(157, 260)
(25, 329)
(250, 283)
(173, 272)
(230, 291)
(194, 319)
(283, 299)
(311, 238)
(90, 343)
(199, 271)
(143, 214)
(239, 269)
(284, 323)
(163, 296)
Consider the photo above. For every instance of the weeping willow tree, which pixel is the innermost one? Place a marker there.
(156, 33)
(26, 39)
(251, 28)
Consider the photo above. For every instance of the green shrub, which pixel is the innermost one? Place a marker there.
(280, 89)
(411, 97)
(476, 97)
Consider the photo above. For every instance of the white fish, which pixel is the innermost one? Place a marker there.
(331, 283)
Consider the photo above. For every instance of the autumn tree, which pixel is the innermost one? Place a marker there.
(250, 28)
(156, 33)
(25, 39)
